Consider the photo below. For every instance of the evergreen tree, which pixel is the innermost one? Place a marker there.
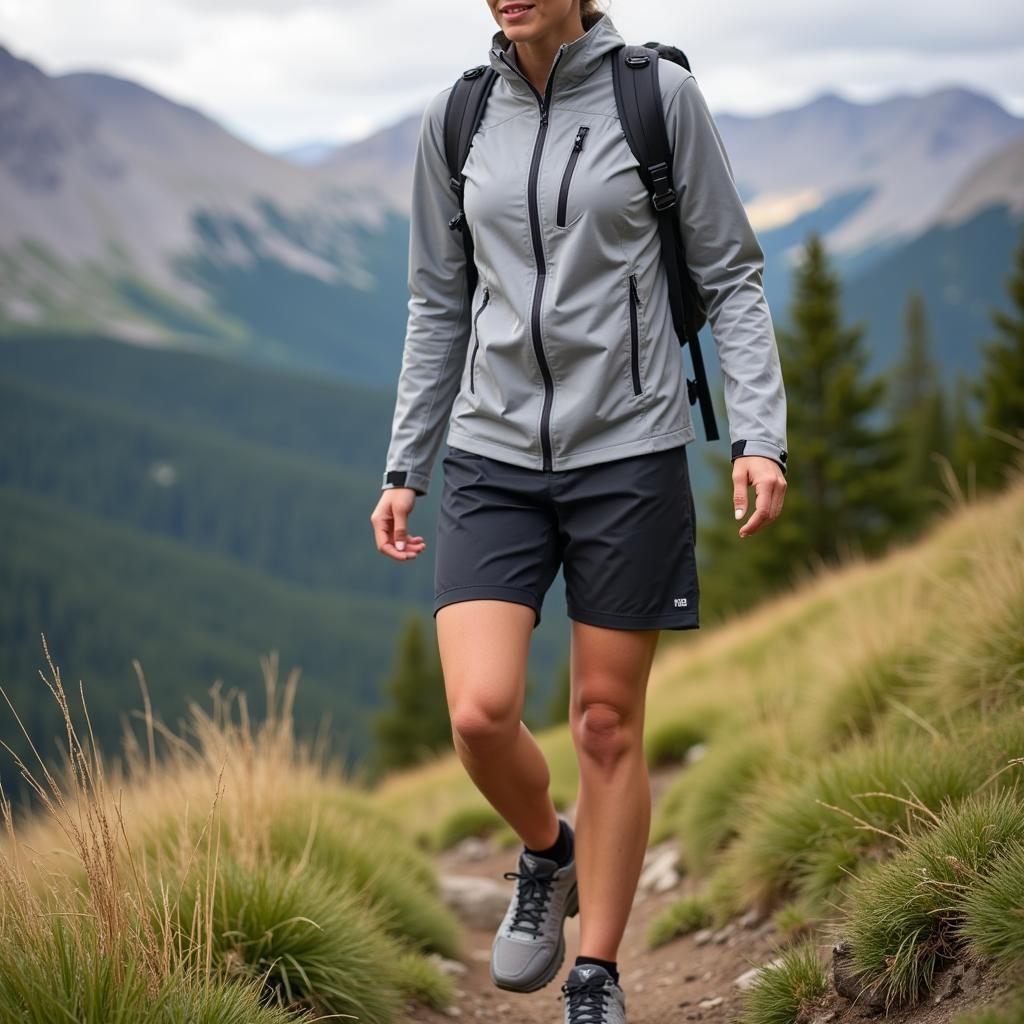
(1001, 389)
(917, 408)
(964, 436)
(416, 723)
(846, 489)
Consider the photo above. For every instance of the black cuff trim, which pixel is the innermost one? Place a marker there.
(739, 447)
(396, 477)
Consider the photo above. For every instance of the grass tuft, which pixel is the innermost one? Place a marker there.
(687, 914)
(475, 820)
(905, 917)
(781, 992)
(993, 910)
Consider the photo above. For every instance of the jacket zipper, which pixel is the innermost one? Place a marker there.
(634, 334)
(563, 192)
(476, 344)
(543, 103)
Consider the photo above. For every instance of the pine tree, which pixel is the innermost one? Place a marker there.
(917, 408)
(963, 436)
(1001, 389)
(846, 491)
(416, 723)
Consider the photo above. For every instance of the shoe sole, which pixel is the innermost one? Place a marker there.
(572, 908)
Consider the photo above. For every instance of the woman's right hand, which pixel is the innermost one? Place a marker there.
(390, 519)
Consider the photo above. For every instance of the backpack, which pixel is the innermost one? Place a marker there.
(638, 98)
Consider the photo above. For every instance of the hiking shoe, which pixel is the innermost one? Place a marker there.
(591, 996)
(529, 946)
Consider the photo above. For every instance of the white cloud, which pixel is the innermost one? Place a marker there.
(281, 72)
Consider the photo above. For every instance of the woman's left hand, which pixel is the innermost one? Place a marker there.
(769, 486)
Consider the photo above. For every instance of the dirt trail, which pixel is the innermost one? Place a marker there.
(682, 981)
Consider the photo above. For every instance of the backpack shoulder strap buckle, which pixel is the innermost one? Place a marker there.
(663, 195)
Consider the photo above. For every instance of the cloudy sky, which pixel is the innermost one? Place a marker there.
(283, 72)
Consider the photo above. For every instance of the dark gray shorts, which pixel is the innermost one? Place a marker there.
(622, 530)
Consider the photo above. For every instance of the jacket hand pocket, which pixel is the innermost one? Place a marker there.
(570, 166)
(476, 342)
(634, 334)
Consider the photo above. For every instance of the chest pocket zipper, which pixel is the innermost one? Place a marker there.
(563, 191)
(634, 334)
(476, 344)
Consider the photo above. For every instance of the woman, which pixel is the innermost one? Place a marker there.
(560, 380)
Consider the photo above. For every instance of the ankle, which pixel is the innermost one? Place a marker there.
(611, 966)
(561, 850)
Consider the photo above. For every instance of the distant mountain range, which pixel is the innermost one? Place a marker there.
(123, 211)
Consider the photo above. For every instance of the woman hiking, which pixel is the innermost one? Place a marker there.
(560, 382)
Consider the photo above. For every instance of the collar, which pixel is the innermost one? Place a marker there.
(573, 61)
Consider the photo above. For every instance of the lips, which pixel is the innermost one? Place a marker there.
(515, 10)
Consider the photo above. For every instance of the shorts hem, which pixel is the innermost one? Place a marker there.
(614, 620)
(488, 591)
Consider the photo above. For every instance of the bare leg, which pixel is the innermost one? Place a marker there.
(610, 668)
(484, 646)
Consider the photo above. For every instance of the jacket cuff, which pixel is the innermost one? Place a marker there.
(767, 448)
(405, 478)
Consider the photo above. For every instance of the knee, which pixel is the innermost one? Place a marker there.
(480, 728)
(601, 732)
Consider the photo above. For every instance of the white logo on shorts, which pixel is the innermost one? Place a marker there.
(680, 602)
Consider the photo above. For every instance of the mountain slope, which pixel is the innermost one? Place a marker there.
(902, 154)
(124, 210)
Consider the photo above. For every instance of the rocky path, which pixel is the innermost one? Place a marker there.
(693, 978)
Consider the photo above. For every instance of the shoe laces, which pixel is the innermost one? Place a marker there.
(587, 1000)
(533, 894)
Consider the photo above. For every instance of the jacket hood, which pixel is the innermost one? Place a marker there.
(575, 60)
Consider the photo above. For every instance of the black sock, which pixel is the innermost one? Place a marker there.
(562, 848)
(611, 966)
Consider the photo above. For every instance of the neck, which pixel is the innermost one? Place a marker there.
(534, 57)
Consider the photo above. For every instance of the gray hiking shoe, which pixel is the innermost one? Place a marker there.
(529, 946)
(591, 997)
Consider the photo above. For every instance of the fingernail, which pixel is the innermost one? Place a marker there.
(400, 544)
(739, 513)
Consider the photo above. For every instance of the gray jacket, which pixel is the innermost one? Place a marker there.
(565, 355)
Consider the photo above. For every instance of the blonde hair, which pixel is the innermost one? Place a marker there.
(589, 13)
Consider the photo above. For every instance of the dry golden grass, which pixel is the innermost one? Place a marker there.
(232, 863)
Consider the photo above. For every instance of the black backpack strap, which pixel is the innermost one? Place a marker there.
(462, 116)
(638, 97)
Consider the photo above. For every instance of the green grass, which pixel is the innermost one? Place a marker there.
(804, 837)
(395, 878)
(63, 973)
(779, 993)
(668, 742)
(793, 921)
(305, 939)
(993, 910)
(706, 797)
(687, 914)
(465, 822)
(905, 917)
